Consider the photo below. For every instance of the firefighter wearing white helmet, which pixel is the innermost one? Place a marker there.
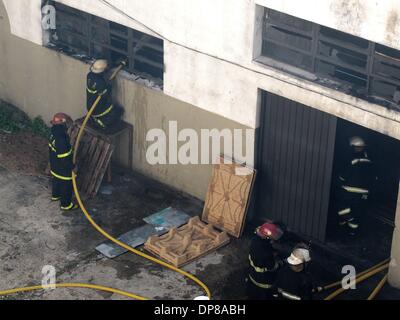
(107, 114)
(357, 142)
(294, 282)
(263, 262)
(354, 187)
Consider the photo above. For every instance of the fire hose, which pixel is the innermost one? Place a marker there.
(360, 277)
(104, 233)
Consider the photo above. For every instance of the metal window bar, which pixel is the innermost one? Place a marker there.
(372, 56)
(134, 39)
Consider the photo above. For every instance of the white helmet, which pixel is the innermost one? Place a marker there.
(99, 66)
(299, 256)
(357, 142)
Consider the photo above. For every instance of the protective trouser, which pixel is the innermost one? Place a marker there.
(257, 291)
(109, 118)
(62, 190)
(260, 282)
(351, 206)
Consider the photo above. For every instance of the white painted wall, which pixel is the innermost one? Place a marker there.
(375, 20)
(210, 48)
(25, 19)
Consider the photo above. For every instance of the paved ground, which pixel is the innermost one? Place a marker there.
(34, 233)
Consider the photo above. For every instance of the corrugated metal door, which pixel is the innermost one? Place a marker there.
(296, 158)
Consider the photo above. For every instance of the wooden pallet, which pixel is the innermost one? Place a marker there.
(228, 196)
(94, 156)
(187, 243)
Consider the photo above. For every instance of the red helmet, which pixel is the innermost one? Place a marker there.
(60, 118)
(269, 230)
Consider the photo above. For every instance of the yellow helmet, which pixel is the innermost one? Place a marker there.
(99, 66)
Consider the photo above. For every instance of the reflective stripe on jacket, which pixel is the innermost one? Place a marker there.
(60, 153)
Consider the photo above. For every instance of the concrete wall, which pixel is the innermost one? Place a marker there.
(211, 64)
(394, 270)
(378, 21)
(210, 68)
(42, 82)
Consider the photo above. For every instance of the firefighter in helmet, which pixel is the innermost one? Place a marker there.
(264, 262)
(294, 282)
(61, 164)
(106, 115)
(356, 179)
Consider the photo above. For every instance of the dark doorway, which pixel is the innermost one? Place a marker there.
(295, 165)
(375, 238)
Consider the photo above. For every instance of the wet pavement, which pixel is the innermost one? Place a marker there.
(34, 233)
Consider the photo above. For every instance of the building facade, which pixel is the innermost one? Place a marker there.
(294, 74)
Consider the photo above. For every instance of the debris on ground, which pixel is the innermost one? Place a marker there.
(24, 152)
(106, 189)
(156, 224)
(23, 142)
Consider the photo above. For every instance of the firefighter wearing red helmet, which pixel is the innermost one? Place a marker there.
(264, 263)
(61, 164)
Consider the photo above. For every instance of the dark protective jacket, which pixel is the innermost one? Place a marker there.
(358, 171)
(293, 285)
(263, 264)
(98, 86)
(60, 150)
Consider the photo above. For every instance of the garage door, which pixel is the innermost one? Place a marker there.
(295, 165)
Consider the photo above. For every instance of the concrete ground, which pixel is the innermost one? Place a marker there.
(34, 233)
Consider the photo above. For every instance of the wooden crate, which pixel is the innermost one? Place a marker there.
(228, 197)
(94, 156)
(189, 242)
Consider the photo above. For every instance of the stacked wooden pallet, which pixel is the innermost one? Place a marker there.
(187, 243)
(228, 196)
(226, 207)
(94, 156)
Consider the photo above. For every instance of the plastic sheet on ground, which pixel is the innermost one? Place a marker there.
(157, 224)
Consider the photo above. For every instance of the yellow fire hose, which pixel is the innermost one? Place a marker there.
(338, 283)
(105, 234)
(360, 277)
(72, 285)
(378, 288)
(358, 280)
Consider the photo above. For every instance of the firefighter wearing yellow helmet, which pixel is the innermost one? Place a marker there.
(107, 114)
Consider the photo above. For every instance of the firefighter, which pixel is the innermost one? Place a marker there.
(264, 263)
(294, 282)
(356, 179)
(106, 115)
(61, 164)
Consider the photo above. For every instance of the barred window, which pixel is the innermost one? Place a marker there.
(340, 60)
(88, 37)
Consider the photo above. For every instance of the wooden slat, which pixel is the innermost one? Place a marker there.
(94, 161)
(94, 156)
(228, 197)
(185, 244)
(100, 168)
